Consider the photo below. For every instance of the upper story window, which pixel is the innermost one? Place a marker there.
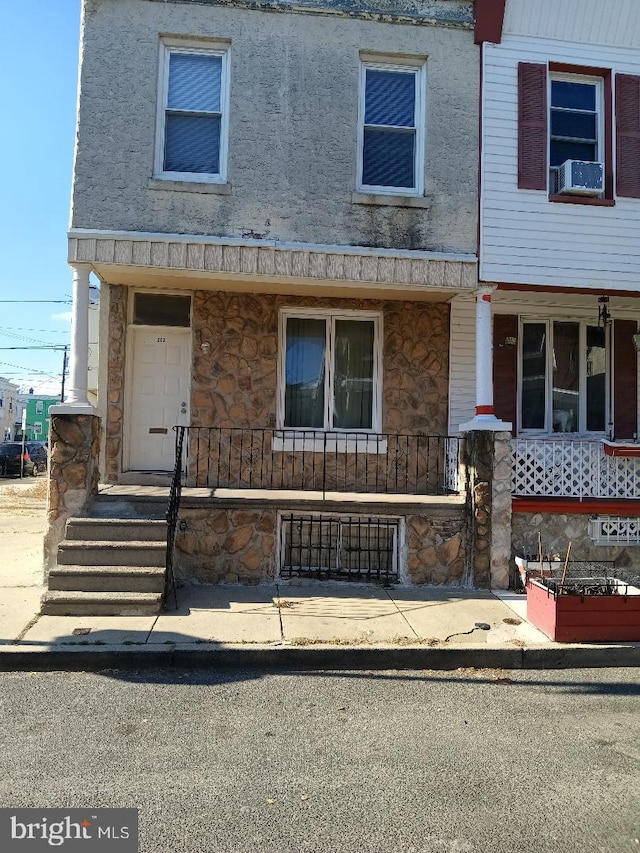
(193, 121)
(572, 114)
(390, 128)
(39, 407)
(330, 371)
(575, 134)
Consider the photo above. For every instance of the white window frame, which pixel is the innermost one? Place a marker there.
(295, 435)
(167, 47)
(418, 68)
(598, 82)
(547, 431)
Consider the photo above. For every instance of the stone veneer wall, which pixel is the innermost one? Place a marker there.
(115, 381)
(231, 545)
(488, 460)
(437, 548)
(557, 530)
(235, 384)
(74, 442)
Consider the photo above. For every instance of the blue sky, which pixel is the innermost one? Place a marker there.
(38, 70)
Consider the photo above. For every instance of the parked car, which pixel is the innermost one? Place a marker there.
(33, 461)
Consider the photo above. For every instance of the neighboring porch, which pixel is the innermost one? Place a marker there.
(579, 492)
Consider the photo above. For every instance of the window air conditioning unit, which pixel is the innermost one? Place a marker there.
(578, 177)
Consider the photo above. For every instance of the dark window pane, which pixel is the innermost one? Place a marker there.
(576, 125)
(596, 379)
(353, 374)
(566, 377)
(561, 151)
(153, 309)
(576, 96)
(534, 366)
(388, 158)
(390, 98)
(304, 372)
(194, 82)
(192, 144)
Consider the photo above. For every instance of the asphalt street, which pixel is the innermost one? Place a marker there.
(397, 762)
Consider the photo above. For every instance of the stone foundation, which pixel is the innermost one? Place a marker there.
(557, 530)
(239, 545)
(74, 442)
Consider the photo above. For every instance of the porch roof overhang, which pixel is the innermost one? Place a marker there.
(185, 261)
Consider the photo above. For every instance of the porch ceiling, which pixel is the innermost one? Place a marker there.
(188, 262)
(150, 278)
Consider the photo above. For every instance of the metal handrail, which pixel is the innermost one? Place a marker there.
(175, 494)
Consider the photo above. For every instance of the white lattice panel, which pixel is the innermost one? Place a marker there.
(614, 530)
(578, 469)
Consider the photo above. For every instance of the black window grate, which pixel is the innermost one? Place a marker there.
(359, 548)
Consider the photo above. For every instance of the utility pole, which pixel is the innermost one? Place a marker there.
(64, 373)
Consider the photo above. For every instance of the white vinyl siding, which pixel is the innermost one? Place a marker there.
(462, 362)
(193, 118)
(524, 237)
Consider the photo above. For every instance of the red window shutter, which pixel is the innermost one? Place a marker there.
(532, 126)
(505, 367)
(625, 382)
(628, 135)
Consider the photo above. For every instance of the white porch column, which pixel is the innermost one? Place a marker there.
(76, 401)
(485, 416)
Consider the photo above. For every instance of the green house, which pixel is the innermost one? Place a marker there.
(37, 416)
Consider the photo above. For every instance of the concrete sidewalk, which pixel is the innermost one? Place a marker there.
(310, 626)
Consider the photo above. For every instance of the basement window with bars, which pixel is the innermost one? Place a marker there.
(360, 548)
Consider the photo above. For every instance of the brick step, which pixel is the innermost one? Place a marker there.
(69, 603)
(116, 529)
(111, 553)
(107, 578)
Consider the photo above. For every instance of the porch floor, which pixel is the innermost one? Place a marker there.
(161, 492)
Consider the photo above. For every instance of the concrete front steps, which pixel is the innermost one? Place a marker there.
(108, 567)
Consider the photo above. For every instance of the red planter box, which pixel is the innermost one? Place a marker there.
(589, 618)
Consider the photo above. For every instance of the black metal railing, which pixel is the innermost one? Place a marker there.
(173, 509)
(314, 460)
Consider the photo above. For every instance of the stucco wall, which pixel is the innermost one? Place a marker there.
(293, 118)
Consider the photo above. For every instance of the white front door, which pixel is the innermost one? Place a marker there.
(159, 398)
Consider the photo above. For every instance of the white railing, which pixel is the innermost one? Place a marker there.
(572, 469)
(614, 530)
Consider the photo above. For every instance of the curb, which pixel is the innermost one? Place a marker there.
(44, 659)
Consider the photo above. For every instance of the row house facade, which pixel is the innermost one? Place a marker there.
(346, 340)
(279, 204)
(560, 251)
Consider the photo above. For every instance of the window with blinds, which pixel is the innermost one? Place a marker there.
(390, 145)
(193, 124)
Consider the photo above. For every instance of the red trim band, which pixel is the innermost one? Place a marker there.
(485, 410)
(574, 506)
